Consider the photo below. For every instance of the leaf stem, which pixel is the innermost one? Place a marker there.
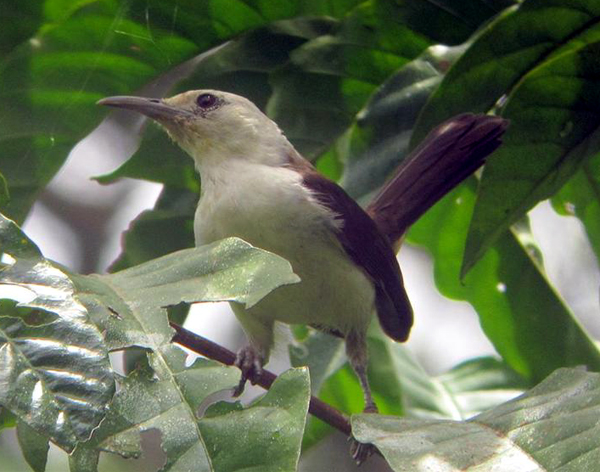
(214, 351)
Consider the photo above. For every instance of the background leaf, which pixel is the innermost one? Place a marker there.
(34, 446)
(581, 197)
(554, 130)
(520, 312)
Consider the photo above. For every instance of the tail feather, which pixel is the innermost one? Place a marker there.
(448, 155)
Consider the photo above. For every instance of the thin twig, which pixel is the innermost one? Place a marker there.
(214, 351)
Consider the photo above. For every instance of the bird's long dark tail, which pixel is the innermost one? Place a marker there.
(448, 155)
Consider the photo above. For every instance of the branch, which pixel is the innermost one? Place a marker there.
(207, 348)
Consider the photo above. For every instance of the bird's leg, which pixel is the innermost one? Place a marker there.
(250, 361)
(251, 358)
(356, 350)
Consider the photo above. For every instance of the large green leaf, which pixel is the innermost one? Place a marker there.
(130, 305)
(400, 385)
(516, 42)
(539, 76)
(581, 197)
(163, 395)
(520, 312)
(554, 426)
(55, 376)
(555, 127)
(379, 139)
(265, 436)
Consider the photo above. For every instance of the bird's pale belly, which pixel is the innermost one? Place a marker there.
(333, 291)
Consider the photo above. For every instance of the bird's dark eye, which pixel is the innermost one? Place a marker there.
(206, 100)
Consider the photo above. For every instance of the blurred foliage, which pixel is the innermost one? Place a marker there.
(355, 85)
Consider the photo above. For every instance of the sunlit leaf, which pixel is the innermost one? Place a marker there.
(129, 305)
(551, 427)
(400, 385)
(55, 377)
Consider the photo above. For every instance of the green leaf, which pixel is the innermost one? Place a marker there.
(555, 127)
(164, 395)
(521, 314)
(7, 419)
(400, 385)
(265, 436)
(378, 140)
(505, 50)
(322, 353)
(581, 197)
(130, 305)
(20, 22)
(551, 427)
(56, 376)
(480, 384)
(230, 269)
(33, 445)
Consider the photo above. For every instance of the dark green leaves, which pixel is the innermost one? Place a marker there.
(554, 129)
(538, 65)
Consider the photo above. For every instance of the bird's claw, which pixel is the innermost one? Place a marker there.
(360, 452)
(250, 362)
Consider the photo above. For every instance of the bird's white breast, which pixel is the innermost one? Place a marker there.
(271, 209)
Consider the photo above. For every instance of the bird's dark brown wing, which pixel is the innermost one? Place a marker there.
(368, 249)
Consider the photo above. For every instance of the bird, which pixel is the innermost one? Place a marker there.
(256, 186)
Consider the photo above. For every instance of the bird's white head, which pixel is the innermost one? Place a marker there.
(212, 126)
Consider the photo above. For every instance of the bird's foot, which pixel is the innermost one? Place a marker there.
(250, 362)
(361, 452)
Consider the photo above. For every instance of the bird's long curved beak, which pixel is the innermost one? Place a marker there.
(151, 107)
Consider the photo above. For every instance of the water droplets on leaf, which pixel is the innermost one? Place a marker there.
(501, 287)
